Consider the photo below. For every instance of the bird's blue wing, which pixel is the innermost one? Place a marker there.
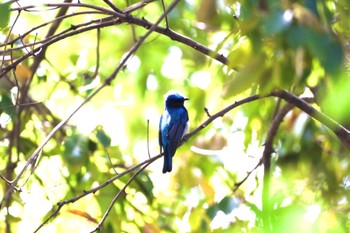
(177, 126)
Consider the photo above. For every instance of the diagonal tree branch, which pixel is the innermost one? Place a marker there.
(32, 159)
(268, 142)
(342, 133)
(116, 19)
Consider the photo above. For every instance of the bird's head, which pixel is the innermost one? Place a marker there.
(174, 99)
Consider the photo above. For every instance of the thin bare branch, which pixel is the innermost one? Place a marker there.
(35, 154)
(122, 191)
(114, 7)
(8, 37)
(144, 164)
(117, 19)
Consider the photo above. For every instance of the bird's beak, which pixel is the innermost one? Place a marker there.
(186, 98)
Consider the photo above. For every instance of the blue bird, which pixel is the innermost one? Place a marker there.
(173, 126)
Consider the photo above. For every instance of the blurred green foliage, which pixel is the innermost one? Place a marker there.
(299, 45)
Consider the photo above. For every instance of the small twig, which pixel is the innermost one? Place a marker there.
(137, 6)
(110, 162)
(6, 180)
(122, 191)
(45, 24)
(207, 112)
(238, 184)
(24, 46)
(94, 190)
(97, 53)
(111, 20)
(278, 116)
(133, 31)
(88, 98)
(111, 5)
(166, 17)
(220, 114)
(7, 39)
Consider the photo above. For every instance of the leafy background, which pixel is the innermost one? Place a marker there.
(299, 46)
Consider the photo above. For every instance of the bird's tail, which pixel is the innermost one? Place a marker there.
(168, 158)
(168, 163)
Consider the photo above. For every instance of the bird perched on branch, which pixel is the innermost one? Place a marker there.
(173, 126)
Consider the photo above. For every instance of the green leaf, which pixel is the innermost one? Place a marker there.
(277, 22)
(326, 49)
(227, 204)
(322, 46)
(76, 151)
(5, 14)
(212, 210)
(6, 104)
(245, 78)
(337, 101)
(145, 184)
(103, 138)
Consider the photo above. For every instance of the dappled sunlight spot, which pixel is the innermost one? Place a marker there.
(221, 189)
(82, 62)
(288, 15)
(172, 66)
(221, 220)
(277, 172)
(185, 223)
(346, 182)
(286, 202)
(201, 79)
(300, 124)
(51, 172)
(4, 142)
(243, 213)
(234, 151)
(140, 150)
(217, 39)
(95, 83)
(240, 121)
(36, 201)
(95, 184)
(41, 71)
(140, 199)
(217, 124)
(15, 210)
(343, 201)
(153, 115)
(163, 186)
(71, 222)
(194, 196)
(86, 119)
(152, 83)
(237, 9)
(133, 63)
(113, 123)
(117, 91)
(312, 213)
(4, 119)
(35, 207)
